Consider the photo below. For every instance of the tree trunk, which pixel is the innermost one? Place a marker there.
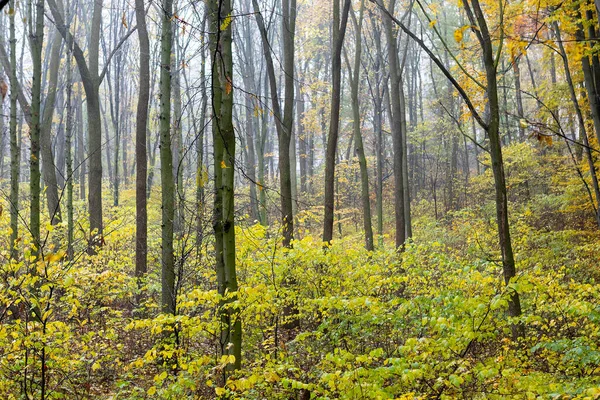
(339, 30)
(519, 97)
(360, 151)
(166, 163)
(224, 163)
(49, 169)
(581, 121)
(91, 82)
(36, 40)
(396, 117)
(141, 131)
(14, 145)
(69, 146)
(508, 259)
(283, 125)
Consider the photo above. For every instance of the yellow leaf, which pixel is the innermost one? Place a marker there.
(151, 391)
(220, 391)
(459, 33)
(523, 123)
(226, 22)
(432, 23)
(95, 366)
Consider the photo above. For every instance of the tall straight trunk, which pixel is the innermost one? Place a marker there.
(166, 163)
(396, 117)
(288, 27)
(580, 119)
(14, 145)
(405, 183)
(116, 119)
(519, 97)
(249, 73)
(36, 40)
(176, 137)
(360, 150)
(301, 134)
(80, 144)
(141, 131)
(377, 128)
(264, 129)
(200, 168)
(293, 170)
(224, 163)
(340, 20)
(49, 169)
(69, 146)
(283, 121)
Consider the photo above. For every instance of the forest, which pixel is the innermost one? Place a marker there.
(299, 199)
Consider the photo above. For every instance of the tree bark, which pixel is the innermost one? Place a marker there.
(14, 145)
(340, 21)
(36, 41)
(224, 167)
(396, 117)
(166, 163)
(360, 151)
(283, 122)
(141, 132)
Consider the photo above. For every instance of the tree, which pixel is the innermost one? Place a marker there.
(14, 148)
(36, 40)
(398, 127)
(224, 163)
(339, 30)
(89, 72)
(141, 238)
(166, 162)
(360, 151)
(491, 126)
(69, 146)
(283, 121)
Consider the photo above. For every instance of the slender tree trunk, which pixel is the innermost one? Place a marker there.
(302, 136)
(80, 144)
(508, 259)
(224, 163)
(581, 121)
(68, 144)
(49, 168)
(261, 157)
(141, 132)
(201, 171)
(396, 118)
(177, 137)
(519, 97)
(340, 20)
(360, 151)
(14, 145)
(36, 40)
(283, 125)
(166, 163)
(250, 107)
